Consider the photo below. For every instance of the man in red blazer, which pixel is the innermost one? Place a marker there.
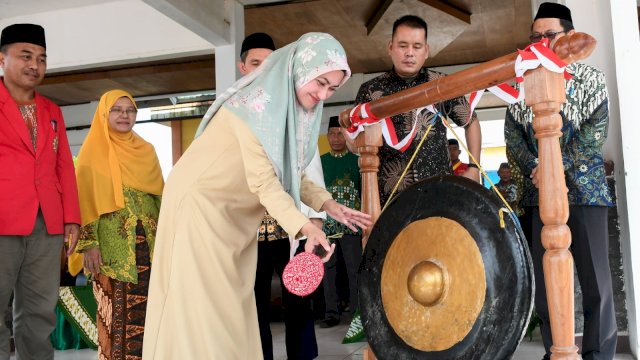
(38, 194)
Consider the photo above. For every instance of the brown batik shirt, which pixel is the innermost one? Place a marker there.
(433, 157)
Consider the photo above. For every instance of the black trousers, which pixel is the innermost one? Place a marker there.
(590, 249)
(525, 224)
(300, 336)
(351, 246)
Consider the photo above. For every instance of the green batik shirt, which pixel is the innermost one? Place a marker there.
(585, 119)
(342, 179)
(115, 234)
(509, 193)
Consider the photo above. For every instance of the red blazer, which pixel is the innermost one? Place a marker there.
(29, 179)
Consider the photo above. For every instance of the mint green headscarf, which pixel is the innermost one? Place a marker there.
(266, 101)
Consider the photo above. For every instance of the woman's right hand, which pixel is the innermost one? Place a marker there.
(351, 143)
(315, 236)
(93, 260)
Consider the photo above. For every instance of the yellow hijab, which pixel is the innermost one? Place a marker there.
(109, 160)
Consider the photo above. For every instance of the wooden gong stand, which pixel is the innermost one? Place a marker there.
(544, 92)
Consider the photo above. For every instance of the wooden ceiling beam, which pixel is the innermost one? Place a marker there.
(449, 9)
(382, 7)
(130, 72)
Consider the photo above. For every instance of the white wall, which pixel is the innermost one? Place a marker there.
(614, 24)
(112, 33)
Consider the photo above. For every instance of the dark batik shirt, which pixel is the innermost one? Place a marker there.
(517, 178)
(585, 119)
(509, 191)
(433, 157)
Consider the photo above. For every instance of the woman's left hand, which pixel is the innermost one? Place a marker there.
(346, 215)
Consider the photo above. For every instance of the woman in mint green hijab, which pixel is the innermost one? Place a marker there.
(249, 155)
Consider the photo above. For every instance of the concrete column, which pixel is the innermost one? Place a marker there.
(614, 24)
(228, 55)
(626, 56)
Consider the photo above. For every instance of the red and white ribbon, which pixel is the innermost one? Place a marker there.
(389, 131)
(530, 58)
(361, 117)
(538, 54)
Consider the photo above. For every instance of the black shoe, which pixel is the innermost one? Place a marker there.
(329, 322)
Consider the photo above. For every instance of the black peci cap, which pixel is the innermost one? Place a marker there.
(257, 41)
(333, 122)
(553, 10)
(23, 33)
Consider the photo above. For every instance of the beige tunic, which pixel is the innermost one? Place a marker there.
(201, 302)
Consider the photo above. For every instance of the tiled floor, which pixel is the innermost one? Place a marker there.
(330, 347)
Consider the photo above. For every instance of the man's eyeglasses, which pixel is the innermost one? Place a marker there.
(535, 37)
(119, 111)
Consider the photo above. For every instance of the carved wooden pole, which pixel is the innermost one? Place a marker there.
(544, 92)
(368, 144)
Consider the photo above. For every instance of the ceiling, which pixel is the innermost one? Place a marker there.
(460, 32)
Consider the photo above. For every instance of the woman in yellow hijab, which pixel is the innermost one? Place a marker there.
(119, 184)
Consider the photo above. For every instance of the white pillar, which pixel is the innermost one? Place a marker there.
(227, 55)
(614, 24)
(626, 54)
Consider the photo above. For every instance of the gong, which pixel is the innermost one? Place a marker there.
(446, 274)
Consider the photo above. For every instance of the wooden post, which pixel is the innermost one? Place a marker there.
(544, 92)
(176, 140)
(368, 144)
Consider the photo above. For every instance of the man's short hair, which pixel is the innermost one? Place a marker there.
(566, 25)
(453, 142)
(504, 165)
(412, 21)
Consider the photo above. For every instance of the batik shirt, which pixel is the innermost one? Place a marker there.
(509, 191)
(115, 234)
(270, 229)
(517, 178)
(433, 157)
(342, 179)
(585, 119)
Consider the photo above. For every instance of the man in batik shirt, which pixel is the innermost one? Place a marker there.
(409, 50)
(342, 179)
(585, 118)
(507, 188)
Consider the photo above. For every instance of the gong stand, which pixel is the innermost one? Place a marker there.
(544, 92)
